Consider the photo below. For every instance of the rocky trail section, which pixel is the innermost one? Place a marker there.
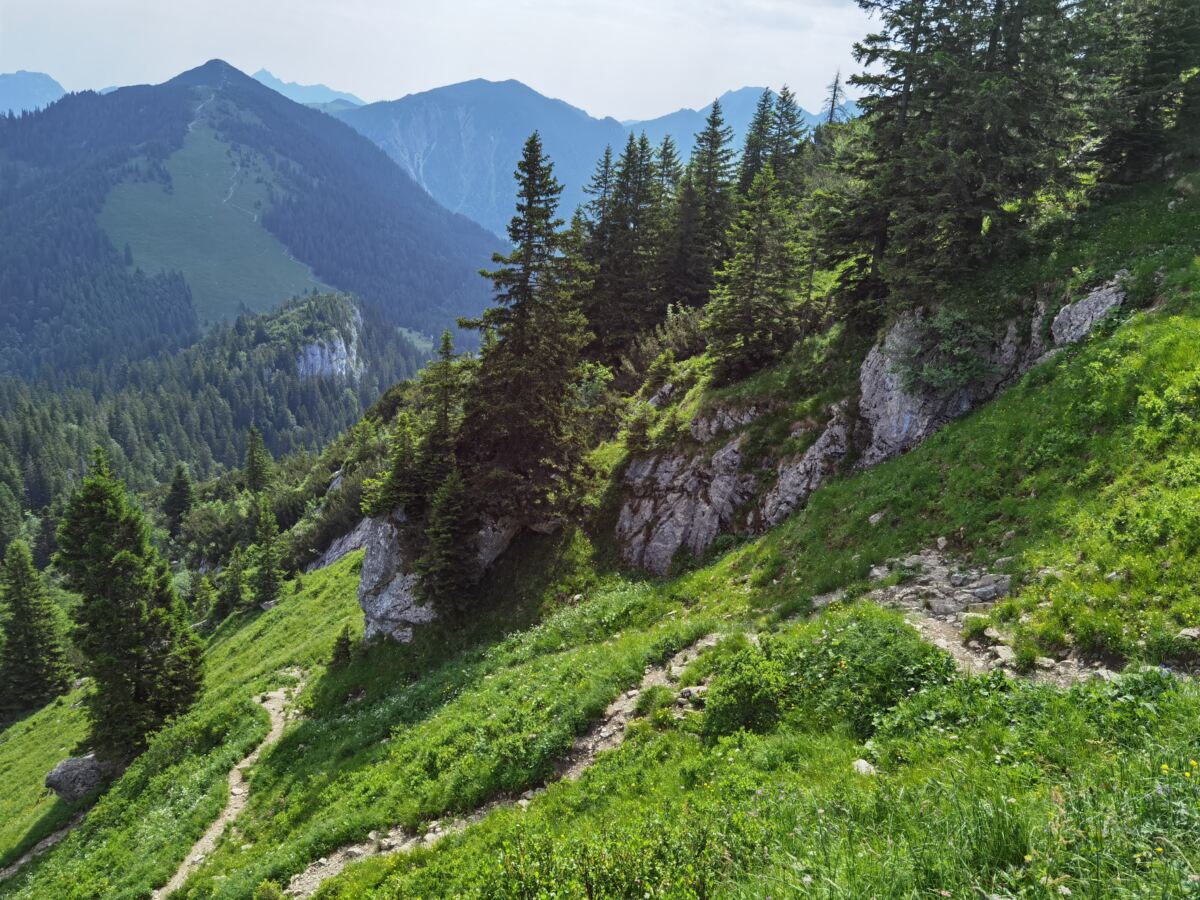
(275, 703)
(606, 733)
(938, 596)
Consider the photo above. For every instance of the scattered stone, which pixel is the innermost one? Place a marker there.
(1002, 562)
(875, 518)
(1045, 663)
(941, 543)
(1113, 576)
(862, 767)
(1004, 654)
(1190, 634)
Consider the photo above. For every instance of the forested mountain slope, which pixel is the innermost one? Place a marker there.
(301, 375)
(140, 216)
(461, 142)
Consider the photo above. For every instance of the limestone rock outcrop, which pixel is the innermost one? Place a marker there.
(676, 500)
(387, 589)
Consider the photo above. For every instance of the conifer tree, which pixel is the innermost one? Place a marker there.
(400, 487)
(439, 383)
(757, 148)
(231, 585)
(754, 313)
(258, 464)
(130, 623)
(179, 500)
(204, 598)
(835, 99)
(697, 247)
(522, 437)
(447, 565)
(787, 139)
(267, 576)
(668, 167)
(33, 661)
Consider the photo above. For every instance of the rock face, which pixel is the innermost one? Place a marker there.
(721, 421)
(676, 500)
(797, 478)
(1075, 320)
(76, 777)
(335, 355)
(346, 544)
(387, 589)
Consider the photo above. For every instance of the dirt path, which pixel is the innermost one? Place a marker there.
(40, 847)
(274, 703)
(606, 733)
(196, 112)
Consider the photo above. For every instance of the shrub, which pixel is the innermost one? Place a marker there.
(652, 700)
(855, 664)
(747, 694)
(269, 890)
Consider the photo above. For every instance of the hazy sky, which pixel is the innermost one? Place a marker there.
(623, 58)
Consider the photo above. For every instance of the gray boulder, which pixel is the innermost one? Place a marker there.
(76, 777)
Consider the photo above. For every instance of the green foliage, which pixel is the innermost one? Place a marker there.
(447, 566)
(521, 443)
(266, 578)
(747, 694)
(754, 314)
(343, 649)
(257, 467)
(181, 496)
(33, 660)
(130, 625)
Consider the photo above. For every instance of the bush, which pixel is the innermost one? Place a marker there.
(269, 890)
(747, 694)
(855, 664)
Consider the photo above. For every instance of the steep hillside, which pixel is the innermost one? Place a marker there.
(143, 213)
(755, 724)
(27, 91)
(462, 142)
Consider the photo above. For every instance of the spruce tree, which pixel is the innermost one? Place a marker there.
(754, 314)
(522, 435)
(400, 486)
(179, 500)
(697, 246)
(668, 167)
(33, 661)
(758, 142)
(447, 565)
(130, 624)
(257, 468)
(231, 586)
(787, 140)
(267, 577)
(443, 396)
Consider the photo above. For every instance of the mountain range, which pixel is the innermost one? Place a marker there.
(461, 142)
(142, 215)
(309, 94)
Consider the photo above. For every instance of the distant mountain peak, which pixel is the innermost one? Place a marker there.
(305, 93)
(24, 90)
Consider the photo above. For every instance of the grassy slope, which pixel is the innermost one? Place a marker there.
(212, 236)
(984, 786)
(139, 832)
